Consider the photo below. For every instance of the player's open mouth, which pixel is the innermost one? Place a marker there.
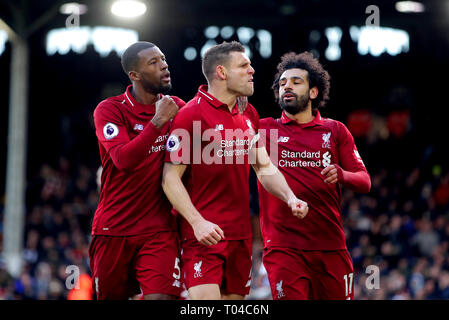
(166, 77)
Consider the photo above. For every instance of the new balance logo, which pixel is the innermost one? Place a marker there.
(138, 127)
(219, 127)
(176, 283)
(283, 139)
(197, 268)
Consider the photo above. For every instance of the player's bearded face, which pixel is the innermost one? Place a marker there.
(155, 86)
(153, 71)
(294, 104)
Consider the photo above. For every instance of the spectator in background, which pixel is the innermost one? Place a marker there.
(426, 239)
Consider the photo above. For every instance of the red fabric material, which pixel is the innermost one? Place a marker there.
(359, 181)
(228, 264)
(123, 266)
(309, 275)
(218, 190)
(131, 149)
(301, 151)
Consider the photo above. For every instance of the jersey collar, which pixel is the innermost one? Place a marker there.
(318, 120)
(137, 107)
(202, 92)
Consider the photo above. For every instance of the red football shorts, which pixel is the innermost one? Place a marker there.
(227, 263)
(309, 275)
(124, 266)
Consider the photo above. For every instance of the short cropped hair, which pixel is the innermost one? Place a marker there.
(219, 55)
(317, 76)
(130, 57)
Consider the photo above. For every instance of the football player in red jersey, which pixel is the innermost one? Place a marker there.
(216, 230)
(308, 258)
(135, 246)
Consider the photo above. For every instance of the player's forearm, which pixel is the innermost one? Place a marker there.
(359, 181)
(131, 154)
(275, 183)
(179, 197)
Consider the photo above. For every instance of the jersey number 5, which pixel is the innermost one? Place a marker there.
(177, 276)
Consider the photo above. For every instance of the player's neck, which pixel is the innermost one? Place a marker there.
(141, 96)
(302, 117)
(223, 95)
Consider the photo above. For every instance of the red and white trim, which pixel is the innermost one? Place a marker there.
(202, 92)
(126, 94)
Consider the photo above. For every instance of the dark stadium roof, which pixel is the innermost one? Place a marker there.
(258, 13)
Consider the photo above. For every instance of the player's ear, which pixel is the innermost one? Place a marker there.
(134, 75)
(313, 92)
(220, 72)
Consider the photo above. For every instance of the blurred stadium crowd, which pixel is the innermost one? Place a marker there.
(401, 226)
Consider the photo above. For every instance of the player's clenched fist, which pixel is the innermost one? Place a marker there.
(166, 109)
(299, 207)
(331, 174)
(207, 233)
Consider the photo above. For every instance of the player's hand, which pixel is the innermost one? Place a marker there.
(207, 233)
(331, 174)
(299, 207)
(242, 103)
(166, 109)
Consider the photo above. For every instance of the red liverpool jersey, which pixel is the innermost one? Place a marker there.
(131, 201)
(301, 152)
(215, 143)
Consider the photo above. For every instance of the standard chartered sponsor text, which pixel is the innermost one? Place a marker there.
(232, 146)
(293, 159)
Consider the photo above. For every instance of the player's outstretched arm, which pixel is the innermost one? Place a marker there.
(274, 182)
(206, 232)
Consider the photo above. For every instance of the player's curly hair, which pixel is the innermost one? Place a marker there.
(317, 76)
